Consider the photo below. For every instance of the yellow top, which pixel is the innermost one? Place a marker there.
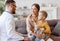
(44, 25)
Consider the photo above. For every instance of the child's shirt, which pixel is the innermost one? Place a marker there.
(43, 27)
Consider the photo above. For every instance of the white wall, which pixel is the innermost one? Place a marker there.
(28, 3)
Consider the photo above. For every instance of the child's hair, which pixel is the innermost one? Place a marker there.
(44, 13)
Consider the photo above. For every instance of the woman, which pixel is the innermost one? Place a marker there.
(31, 21)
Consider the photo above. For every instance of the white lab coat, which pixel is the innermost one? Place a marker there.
(7, 28)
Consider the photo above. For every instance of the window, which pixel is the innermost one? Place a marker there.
(52, 12)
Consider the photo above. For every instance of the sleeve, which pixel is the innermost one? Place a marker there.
(28, 27)
(10, 30)
(47, 29)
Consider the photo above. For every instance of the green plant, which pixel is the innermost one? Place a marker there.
(2, 7)
(2, 0)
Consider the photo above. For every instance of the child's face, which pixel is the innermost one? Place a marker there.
(41, 16)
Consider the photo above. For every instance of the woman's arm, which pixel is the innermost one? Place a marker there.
(29, 27)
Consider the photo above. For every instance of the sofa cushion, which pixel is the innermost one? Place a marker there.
(55, 38)
(56, 30)
(21, 26)
(52, 22)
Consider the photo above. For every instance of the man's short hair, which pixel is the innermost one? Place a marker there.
(9, 1)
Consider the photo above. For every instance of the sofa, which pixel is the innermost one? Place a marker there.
(21, 27)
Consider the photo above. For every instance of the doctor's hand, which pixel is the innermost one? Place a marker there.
(26, 39)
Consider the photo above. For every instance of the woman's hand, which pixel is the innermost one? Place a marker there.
(32, 33)
(39, 35)
(26, 39)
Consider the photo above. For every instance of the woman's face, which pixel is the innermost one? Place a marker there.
(34, 10)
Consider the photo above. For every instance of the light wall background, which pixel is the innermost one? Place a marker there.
(28, 3)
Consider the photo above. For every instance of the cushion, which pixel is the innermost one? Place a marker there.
(52, 22)
(56, 30)
(21, 26)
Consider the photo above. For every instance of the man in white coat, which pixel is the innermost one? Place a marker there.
(7, 24)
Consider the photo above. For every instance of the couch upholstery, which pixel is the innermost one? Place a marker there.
(21, 27)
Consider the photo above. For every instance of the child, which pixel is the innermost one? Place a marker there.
(43, 27)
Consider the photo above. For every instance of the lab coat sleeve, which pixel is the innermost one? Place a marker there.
(10, 30)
